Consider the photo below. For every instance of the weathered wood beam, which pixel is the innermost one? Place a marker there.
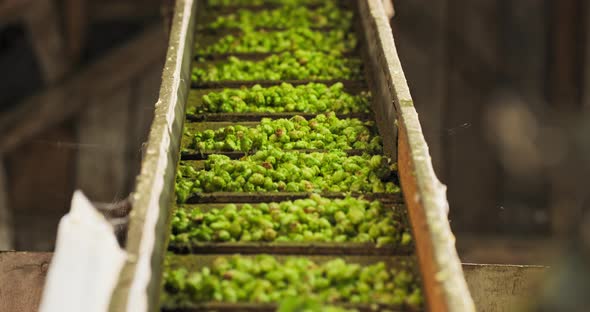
(60, 102)
(76, 22)
(43, 23)
(23, 276)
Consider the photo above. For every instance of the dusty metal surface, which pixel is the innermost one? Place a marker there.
(502, 288)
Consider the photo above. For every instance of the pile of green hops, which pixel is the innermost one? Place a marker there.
(261, 41)
(308, 98)
(275, 170)
(327, 15)
(230, 3)
(302, 304)
(298, 65)
(263, 279)
(297, 133)
(316, 219)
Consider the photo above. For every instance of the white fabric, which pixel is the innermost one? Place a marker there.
(388, 7)
(86, 263)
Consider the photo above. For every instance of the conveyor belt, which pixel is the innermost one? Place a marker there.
(190, 156)
(193, 255)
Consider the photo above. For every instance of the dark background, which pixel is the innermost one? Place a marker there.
(500, 87)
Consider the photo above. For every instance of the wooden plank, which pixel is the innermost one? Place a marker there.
(472, 174)
(42, 22)
(41, 177)
(60, 102)
(103, 136)
(23, 276)
(6, 226)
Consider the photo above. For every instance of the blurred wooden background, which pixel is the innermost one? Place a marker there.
(473, 68)
(80, 113)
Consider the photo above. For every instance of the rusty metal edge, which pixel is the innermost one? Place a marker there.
(139, 282)
(445, 285)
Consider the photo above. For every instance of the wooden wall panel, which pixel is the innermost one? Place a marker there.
(41, 175)
(43, 24)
